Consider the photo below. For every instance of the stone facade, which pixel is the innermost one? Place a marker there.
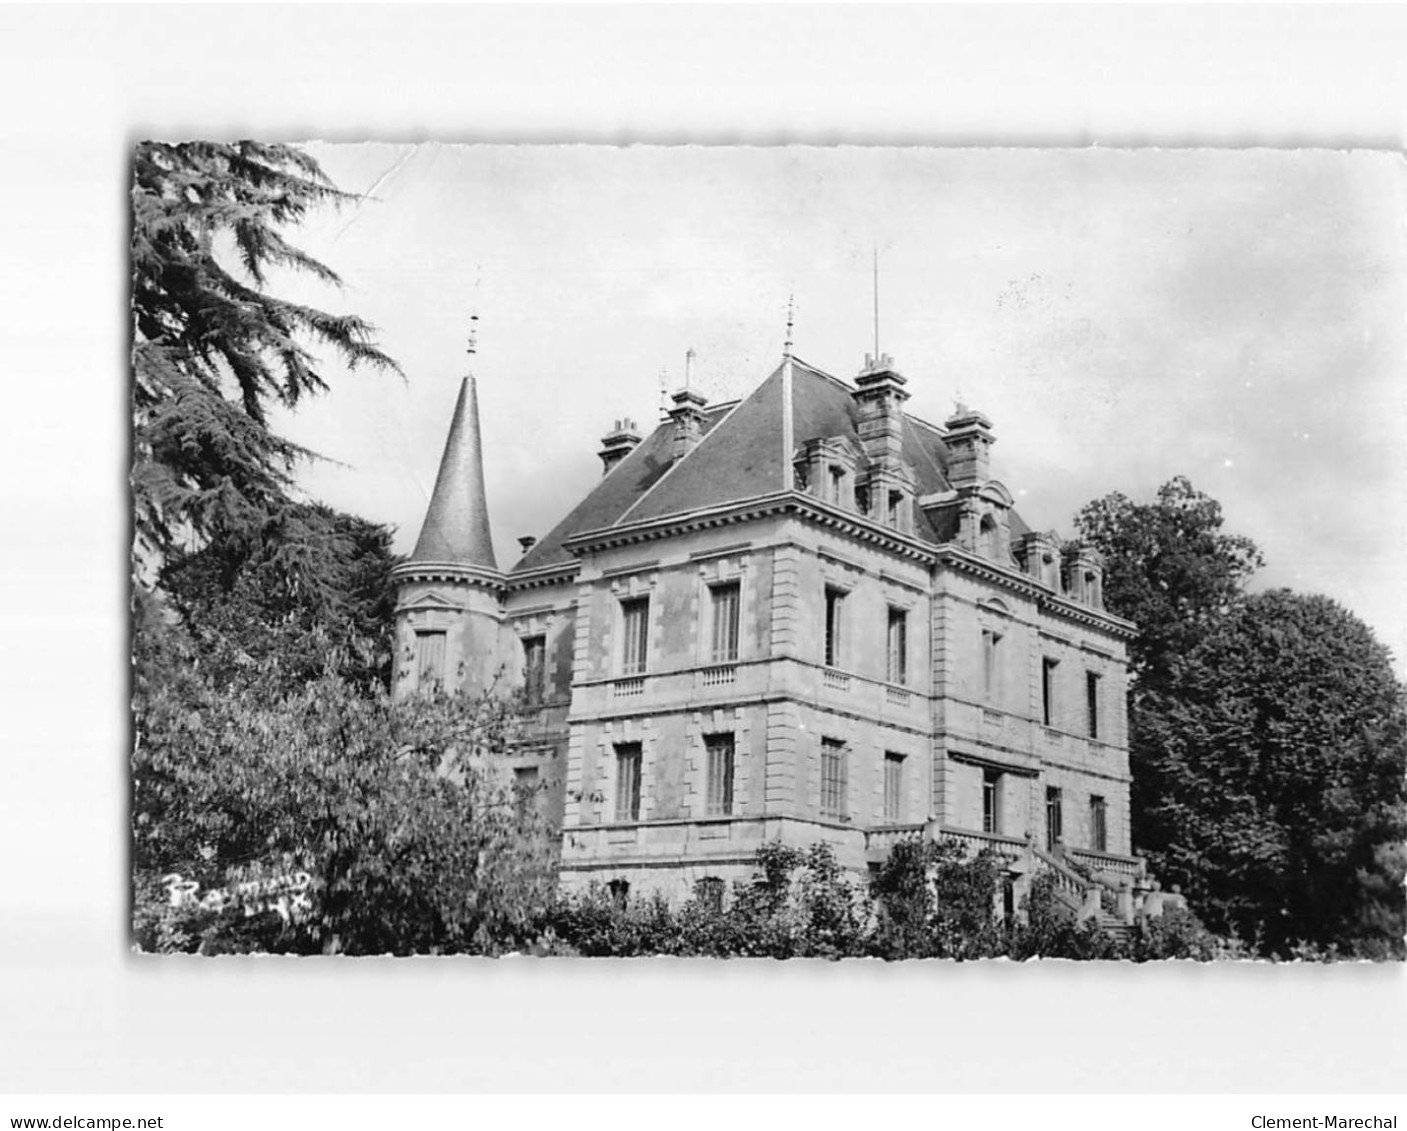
(803, 616)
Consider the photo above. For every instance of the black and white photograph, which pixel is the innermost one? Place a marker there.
(839, 562)
(767, 552)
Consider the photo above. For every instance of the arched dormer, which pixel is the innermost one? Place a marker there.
(825, 468)
(994, 504)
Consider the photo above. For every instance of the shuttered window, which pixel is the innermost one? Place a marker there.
(430, 658)
(898, 651)
(720, 774)
(635, 632)
(534, 668)
(1098, 825)
(725, 622)
(628, 759)
(833, 778)
(893, 786)
(835, 602)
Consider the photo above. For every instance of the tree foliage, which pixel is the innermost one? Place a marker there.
(1169, 568)
(306, 595)
(413, 843)
(1266, 735)
(1275, 763)
(212, 346)
(930, 902)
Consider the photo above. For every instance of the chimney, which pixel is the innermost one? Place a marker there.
(618, 443)
(969, 440)
(688, 417)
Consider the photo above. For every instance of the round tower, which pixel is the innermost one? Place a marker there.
(449, 596)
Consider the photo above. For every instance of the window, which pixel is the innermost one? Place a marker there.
(430, 658)
(1048, 667)
(709, 894)
(836, 481)
(992, 801)
(534, 668)
(1098, 825)
(725, 622)
(720, 774)
(835, 601)
(991, 665)
(896, 503)
(833, 783)
(1054, 833)
(1092, 703)
(525, 778)
(898, 656)
(990, 540)
(635, 634)
(628, 781)
(620, 893)
(893, 786)
(862, 500)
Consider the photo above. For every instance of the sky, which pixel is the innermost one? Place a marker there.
(1122, 316)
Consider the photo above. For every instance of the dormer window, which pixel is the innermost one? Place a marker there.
(894, 513)
(989, 536)
(836, 484)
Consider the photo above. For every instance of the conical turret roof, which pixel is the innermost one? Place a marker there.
(457, 524)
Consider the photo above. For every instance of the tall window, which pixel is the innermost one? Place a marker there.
(534, 667)
(835, 603)
(991, 801)
(1098, 825)
(709, 893)
(893, 786)
(833, 778)
(988, 530)
(1054, 818)
(898, 656)
(720, 774)
(620, 893)
(1092, 703)
(836, 482)
(526, 779)
(1048, 667)
(991, 665)
(430, 658)
(896, 503)
(725, 622)
(635, 633)
(628, 758)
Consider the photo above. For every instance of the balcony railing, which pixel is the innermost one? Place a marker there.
(836, 681)
(1007, 847)
(625, 688)
(717, 676)
(897, 696)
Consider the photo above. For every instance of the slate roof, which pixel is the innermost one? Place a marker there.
(740, 457)
(457, 521)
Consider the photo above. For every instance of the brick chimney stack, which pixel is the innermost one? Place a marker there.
(618, 443)
(688, 417)
(969, 440)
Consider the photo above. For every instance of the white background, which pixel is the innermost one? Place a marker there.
(79, 85)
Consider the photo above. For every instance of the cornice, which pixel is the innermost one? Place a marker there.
(449, 571)
(761, 506)
(543, 576)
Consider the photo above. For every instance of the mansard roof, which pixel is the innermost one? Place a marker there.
(740, 457)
